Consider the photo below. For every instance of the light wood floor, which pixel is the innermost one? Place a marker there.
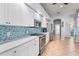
(57, 47)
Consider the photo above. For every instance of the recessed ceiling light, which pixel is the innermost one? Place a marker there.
(61, 6)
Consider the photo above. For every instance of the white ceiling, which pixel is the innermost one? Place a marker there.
(69, 9)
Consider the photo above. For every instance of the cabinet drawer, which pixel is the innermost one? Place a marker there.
(30, 48)
(8, 53)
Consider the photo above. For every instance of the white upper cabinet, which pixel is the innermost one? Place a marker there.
(3, 15)
(38, 8)
(16, 14)
(20, 14)
(27, 16)
(44, 23)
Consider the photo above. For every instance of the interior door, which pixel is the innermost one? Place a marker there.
(57, 29)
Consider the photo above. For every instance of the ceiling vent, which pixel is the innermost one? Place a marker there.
(61, 3)
(54, 3)
(65, 3)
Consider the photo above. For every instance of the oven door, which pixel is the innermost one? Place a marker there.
(42, 43)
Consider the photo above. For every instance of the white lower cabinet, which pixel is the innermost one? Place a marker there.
(30, 48)
(8, 53)
(18, 51)
(47, 37)
(22, 50)
(36, 46)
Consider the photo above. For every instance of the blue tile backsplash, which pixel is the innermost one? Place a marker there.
(9, 33)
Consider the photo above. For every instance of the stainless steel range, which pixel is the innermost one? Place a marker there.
(42, 41)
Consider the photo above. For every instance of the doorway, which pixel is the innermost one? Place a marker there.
(57, 29)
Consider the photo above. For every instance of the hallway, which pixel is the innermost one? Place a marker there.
(66, 47)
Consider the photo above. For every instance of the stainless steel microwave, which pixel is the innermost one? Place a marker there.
(37, 23)
(44, 29)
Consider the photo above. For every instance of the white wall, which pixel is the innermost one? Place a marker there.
(68, 20)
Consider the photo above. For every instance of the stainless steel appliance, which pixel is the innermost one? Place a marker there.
(37, 23)
(44, 30)
(42, 41)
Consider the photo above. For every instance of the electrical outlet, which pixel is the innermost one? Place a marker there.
(8, 34)
(7, 22)
(27, 31)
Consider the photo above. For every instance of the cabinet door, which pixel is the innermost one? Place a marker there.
(44, 23)
(47, 37)
(4, 20)
(27, 16)
(30, 48)
(36, 46)
(24, 50)
(14, 13)
(8, 53)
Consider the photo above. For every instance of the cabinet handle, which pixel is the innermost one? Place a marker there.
(14, 51)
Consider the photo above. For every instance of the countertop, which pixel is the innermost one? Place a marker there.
(10, 45)
(13, 44)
